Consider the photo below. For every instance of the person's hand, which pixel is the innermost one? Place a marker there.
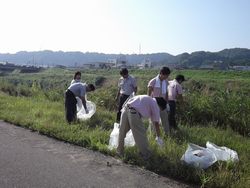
(87, 111)
(159, 141)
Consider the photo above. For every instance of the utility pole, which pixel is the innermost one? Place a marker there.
(33, 59)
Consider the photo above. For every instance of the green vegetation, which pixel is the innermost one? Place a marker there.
(231, 57)
(218, 107)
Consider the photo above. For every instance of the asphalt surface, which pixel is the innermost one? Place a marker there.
(31, 160)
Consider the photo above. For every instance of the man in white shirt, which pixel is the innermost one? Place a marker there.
(126, 86)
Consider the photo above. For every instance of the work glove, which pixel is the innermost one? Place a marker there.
(87, 111)
(159, 141)
(168, 107)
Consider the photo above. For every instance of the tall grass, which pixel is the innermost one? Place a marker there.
(213, 115)
(224, 109)
(47, 117)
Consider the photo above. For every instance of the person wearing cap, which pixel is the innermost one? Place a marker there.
(76, 90)
(136, 108)
(175, 89)
(158, 87)
(126, 86)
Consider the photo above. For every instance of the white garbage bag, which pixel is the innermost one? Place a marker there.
(222, 153)
(198, 156)
(78, 104)
(82, 114)
(113, 141)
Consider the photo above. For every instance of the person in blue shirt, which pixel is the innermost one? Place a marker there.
(76, 90)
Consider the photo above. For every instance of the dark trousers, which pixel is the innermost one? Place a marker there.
(122, 99)
(70, 105)
(171, 115)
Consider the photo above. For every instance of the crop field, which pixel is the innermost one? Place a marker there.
(218, 110)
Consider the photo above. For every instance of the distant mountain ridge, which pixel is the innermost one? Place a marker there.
(234, 56)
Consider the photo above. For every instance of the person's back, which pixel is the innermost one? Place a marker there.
(174, 89)
(79, 89)
(146, 106)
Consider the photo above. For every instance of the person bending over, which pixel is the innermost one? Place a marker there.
(138, 107)
(76, 90)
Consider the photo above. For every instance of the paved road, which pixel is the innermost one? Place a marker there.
(28, 159)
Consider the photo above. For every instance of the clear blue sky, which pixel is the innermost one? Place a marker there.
(122, 26)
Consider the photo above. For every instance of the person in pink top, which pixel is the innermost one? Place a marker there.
(138, 107)
(175, 89)
(157, 87)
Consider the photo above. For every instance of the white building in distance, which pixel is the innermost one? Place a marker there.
(145, 64)
(97, 65)
(118, 63)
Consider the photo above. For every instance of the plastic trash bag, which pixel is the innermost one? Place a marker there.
(82, 114)
(198, 156)
(78, 104)
(222, 153)
(113, 141)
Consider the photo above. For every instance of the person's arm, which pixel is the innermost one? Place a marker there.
(157, 129)
(135, 90)
(83, 102)
(118, 94)
(150, 89)
(72, 82)
(182, 101)
(166, 97)
(158, 134)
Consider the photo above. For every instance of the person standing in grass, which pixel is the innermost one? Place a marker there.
(76, 90)
(175, 89)
(126, 86)
(138, 107)
(76, 78)
(158, 87)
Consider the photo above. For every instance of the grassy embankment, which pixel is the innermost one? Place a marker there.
(217, 111)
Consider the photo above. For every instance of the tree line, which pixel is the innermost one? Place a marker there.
(232, 57)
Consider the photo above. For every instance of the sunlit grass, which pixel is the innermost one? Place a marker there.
(213, 114)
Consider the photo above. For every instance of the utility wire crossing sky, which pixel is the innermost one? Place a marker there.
(124, 26)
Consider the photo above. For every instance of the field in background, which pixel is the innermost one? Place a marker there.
(217, 103)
